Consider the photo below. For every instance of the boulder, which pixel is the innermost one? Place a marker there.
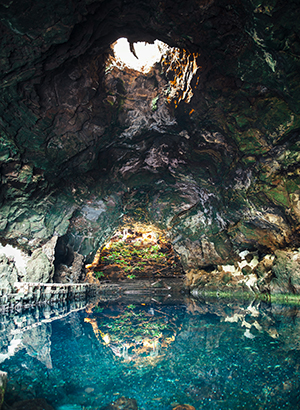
(34, 404)
(8, 272)
(286, 272)
(40, 267)
(123, 403)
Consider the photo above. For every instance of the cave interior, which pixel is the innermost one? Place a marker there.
(204, 146)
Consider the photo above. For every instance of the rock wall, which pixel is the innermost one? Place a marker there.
(271, 275)
(205, 146)
(25, 295)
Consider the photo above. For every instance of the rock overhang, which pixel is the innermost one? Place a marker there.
(217, 168)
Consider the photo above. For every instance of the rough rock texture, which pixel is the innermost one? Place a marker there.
(8, 272)
(184, 407)
(25, 295)
(123, 403)
(39, 268)
(72, 274)
(206, 145)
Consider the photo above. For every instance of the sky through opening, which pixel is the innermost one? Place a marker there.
(148, 54)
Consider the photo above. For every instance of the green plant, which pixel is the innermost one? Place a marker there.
(154, 103)
(99, 275)
(131, 306)
(226, 278)
(131, 276)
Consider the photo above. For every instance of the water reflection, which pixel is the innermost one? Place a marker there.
(208, 354)
(32, 330)
(136, 333)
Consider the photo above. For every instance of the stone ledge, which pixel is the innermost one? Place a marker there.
(28, 294)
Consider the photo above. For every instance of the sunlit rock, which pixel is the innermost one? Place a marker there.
(8, 273)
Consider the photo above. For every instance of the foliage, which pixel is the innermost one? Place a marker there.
(133, 258)
(98, 309)
(135, 324)
(154, 103)
(135, 254)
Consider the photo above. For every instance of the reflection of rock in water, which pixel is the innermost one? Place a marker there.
(75, 325)
(21, 330)
(38, 344)
(139, 334)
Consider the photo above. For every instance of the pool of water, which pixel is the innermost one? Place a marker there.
(162, 353)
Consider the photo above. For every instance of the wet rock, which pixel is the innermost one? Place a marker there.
(123, 403)
(184, 407)
(34, 404)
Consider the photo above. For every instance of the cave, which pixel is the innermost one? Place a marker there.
(204, 145)
(197, 153)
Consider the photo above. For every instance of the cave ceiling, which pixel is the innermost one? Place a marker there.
(205, 145)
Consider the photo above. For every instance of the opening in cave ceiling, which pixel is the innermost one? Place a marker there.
(140, 56)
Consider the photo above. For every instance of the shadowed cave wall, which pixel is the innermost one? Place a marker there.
(205, 146)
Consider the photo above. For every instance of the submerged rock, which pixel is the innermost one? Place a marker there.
(34, 404)
(123, 403)
(69, 407)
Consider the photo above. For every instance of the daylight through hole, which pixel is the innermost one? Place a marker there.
(140, 56)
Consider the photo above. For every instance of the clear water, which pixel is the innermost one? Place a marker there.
(208, 354)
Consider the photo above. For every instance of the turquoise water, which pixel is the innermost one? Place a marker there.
(208, 354)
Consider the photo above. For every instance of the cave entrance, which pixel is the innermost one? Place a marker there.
(139, 56)
(136, 251)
